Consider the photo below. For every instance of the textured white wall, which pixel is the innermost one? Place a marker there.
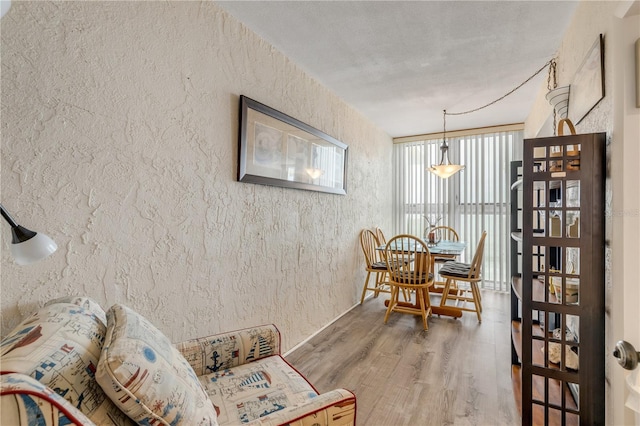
(119, 140)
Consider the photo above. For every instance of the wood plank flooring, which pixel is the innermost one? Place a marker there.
(456, 373)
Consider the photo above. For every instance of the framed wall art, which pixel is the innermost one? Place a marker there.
(276, 149)
(587, 87)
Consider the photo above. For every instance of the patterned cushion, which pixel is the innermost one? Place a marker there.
(85, 302)
(146, 376)
(383, 264)
(455, 269)
(379, 265)
(226, 350)
(250, 391)
(59, 346)
(26, 402)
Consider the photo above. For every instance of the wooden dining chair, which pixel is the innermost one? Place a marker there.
(409, 267)
(471, 273)
(375, 264)
(444, 233)
(380, 236)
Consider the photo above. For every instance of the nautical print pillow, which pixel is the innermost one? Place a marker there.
(60, 345)
(26, 401)
(146, 376)
(86, 303)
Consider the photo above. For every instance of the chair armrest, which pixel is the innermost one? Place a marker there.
(25, 401)
(334, 408)
(226, 350)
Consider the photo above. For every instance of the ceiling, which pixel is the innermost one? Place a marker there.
(401, 63)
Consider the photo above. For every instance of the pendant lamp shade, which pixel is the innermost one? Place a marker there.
(445, 169)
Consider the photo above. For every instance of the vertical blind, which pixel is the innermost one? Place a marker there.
(471, 201)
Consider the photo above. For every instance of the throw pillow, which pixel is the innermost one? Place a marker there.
(26, 401)
(86, 303)
(146, 376)
(60, 345)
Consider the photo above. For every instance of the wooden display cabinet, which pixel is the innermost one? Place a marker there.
(557, 264)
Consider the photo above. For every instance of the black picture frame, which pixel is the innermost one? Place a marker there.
(278, 150)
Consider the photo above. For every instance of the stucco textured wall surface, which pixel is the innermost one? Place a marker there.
(119, 140)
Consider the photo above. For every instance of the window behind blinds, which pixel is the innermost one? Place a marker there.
(471, 201)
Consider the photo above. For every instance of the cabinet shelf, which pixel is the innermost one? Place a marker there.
(537, 289)
(537, 346)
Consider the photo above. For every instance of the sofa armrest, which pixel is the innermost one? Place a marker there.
(24, 401)
(334, 408)
(226, 350)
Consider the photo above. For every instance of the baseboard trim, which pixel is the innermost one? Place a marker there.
(320, 330)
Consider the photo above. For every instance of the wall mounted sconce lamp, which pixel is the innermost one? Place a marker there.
(27, 246)
(559, 100)
(445, 169)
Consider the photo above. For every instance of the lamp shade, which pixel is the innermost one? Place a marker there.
(35, 248)
(446, 170)
(27, 246)
(559, 100)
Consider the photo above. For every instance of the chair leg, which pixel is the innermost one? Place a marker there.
(464, 295)
(392, 303)
(476, 299)
(421, 301)
(364, 290)
(379, 281)
(445, 292)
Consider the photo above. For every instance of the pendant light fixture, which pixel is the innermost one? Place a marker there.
(28, 246)
(445, 169)
(559, 99)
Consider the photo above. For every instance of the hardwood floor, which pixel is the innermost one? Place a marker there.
(456, 373)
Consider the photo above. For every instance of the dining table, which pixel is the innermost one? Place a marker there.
(442, 249)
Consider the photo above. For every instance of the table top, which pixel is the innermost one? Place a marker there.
(448, 247)
(443, 247)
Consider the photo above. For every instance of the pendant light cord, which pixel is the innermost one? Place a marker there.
(552, 68)
(444, 147)
(444, 126)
